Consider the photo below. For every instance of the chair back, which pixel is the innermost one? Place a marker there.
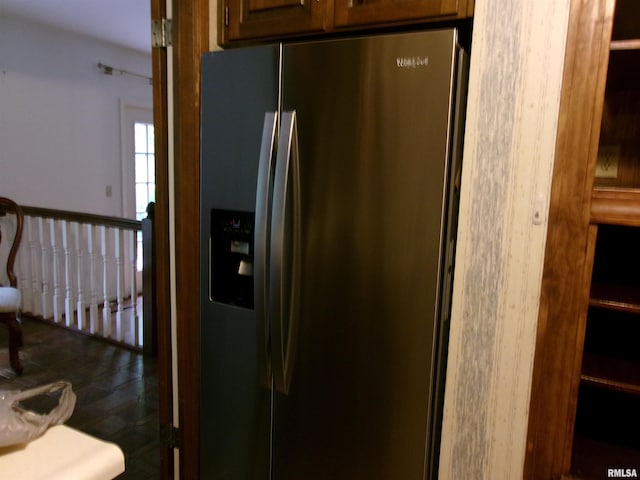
(11, 222)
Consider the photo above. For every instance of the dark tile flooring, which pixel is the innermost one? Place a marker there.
(116, 389)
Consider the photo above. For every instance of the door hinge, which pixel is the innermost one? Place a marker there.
(161, 33)
(170, 436)
(226, 15)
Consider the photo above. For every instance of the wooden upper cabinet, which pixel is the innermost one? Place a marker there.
(254, 19)
(251, 20)
(367, 12)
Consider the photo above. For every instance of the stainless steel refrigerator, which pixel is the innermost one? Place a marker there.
(328, 180)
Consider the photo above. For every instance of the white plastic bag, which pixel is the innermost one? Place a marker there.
(18, 425)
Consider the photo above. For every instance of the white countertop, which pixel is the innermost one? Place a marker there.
(62, 453)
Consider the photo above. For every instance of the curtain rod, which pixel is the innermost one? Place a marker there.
(109, 70)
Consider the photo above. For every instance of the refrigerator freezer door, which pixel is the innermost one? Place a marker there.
(374, 121)
(240, 89)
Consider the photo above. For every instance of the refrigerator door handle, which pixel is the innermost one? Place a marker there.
(284, 264)
(262, 219)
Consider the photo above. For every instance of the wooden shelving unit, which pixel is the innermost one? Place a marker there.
(584, 408)
(611, 357)
(610, 376)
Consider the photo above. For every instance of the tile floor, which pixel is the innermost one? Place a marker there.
(116, 389)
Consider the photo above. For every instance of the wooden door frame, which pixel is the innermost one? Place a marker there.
(190, 40)
(570, 243)
(162, 308)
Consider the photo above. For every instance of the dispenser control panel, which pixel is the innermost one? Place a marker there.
(231, 257)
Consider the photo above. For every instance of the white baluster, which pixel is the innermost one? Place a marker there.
(44, 257)
(57, 314)
(106, 308)
(80, 310)
(117, 251)
(93, 293)
(24, 267)
(36, 281)
(132, 267)
(68, 288)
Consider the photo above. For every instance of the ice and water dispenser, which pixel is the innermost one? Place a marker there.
(231, 258)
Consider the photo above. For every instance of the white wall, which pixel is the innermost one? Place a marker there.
(60, 143)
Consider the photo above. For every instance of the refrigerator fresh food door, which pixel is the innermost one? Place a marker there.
(373, 120)
(239, 115)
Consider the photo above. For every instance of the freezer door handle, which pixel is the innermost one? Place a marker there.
(284, 263)
(260, 266)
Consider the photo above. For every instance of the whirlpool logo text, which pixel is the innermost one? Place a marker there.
(412, 62)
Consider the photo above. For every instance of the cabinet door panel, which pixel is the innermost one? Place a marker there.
(257, 5)
(362, 12)
(249, 19)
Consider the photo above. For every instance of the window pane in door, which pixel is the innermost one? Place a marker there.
(151, 168)
(140, 137)
(142, 174)
(150, 139)
(141, 200)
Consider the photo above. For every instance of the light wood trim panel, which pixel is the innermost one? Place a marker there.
(514, 96)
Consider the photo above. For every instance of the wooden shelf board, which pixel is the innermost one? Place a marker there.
(615, 297)
(619, 374)
(632, 44)
(616, 206)
(610, 384)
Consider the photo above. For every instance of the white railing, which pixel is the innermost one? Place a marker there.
(80, 271)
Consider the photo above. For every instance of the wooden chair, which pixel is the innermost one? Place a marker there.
(9, 294)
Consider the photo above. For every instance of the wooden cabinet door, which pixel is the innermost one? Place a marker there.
(249, 19)
(363, 12)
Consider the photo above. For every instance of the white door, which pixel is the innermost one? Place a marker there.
(138, 160)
